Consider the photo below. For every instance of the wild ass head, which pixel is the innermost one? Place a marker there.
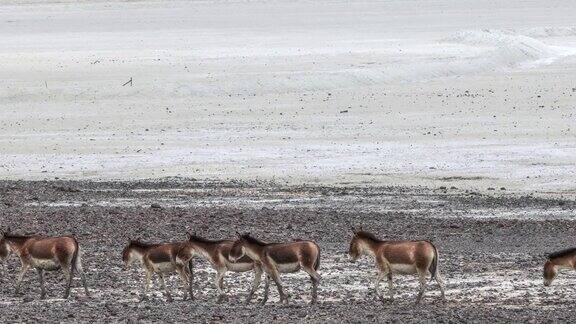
(4, 247)
(354, 250)
(237, 251)
(559, 258)
(360, 243)
(133, 251)
(245, 245)
(550, 273)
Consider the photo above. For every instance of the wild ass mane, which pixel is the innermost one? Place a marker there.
(562, 253)
(17, 237)
(140, 244)
(194, 237)
(368, 236)
(253, 240)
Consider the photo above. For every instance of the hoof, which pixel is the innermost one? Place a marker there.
(284, 299)
(143, 299)
(42, 296)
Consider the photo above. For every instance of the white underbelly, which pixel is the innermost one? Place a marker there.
(403, 268)
(164, 267)
(288, 267)
(239, 267)
(44, 264)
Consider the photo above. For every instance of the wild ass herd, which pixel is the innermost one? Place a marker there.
(245, 253)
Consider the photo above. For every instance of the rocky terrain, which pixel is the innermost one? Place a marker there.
(492, 249)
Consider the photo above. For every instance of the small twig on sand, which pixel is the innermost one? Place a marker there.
(129, 81)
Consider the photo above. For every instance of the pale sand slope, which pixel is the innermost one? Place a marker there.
(472, 94)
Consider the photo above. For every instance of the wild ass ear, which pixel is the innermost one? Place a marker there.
(238, 233)
(189, 234)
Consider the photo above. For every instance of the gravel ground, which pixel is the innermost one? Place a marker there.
(492, 250)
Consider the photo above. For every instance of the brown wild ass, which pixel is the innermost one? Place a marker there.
(398, 257)
(159, 259)
(276, 258)
(217, 252)
(44, 253)
(562, 259)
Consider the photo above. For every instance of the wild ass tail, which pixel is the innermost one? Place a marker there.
(191, 266)
(317, 263)
(434, 266)
(75, 256)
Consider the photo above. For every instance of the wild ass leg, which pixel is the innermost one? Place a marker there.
(42, 288)
(383, 271)
(422, 279)
(379, 277)
(184, 277)
(166, 290)
(255, 283)
(190, 279)
(20, 277)
(276, 277)
(315, 278)
(440, 282)
(67, 266)
(68, 274)
(266, 290)
(219, 280)
(82, 276)
(146, 285)
(390, 286)
(272, 273)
